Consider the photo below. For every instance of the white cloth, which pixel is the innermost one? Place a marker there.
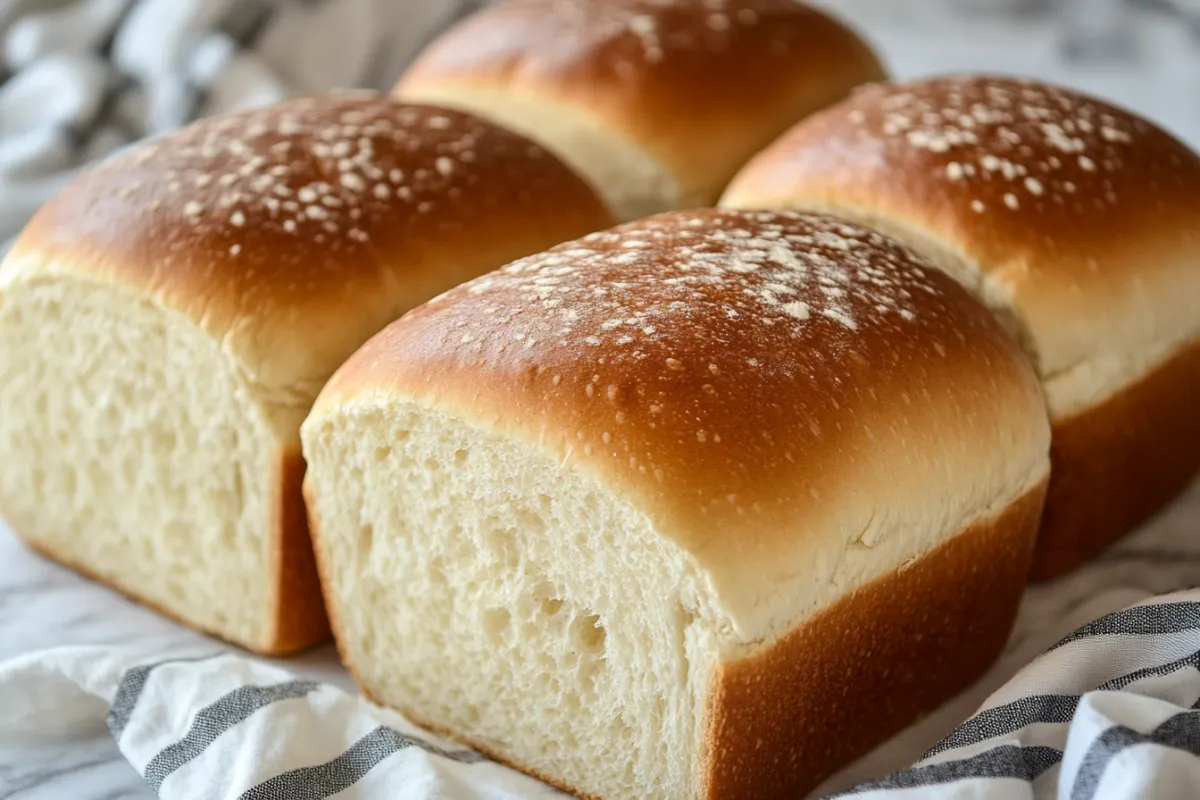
(86, 77)
(217, 725)
(1109, 712)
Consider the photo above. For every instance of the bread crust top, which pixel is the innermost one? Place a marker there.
(773, 390)
(698, 85)
(1080, 218)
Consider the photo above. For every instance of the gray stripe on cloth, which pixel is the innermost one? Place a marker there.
(1006, 761)
(1191, 660)
(1009, 718)
(1141, 621)
(130, 689)
(213, 720)
(324, 780)
(1180, 732)
(1043, 709)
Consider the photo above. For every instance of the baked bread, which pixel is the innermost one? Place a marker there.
(702, 506)
(656, 102)
(1078, 223)
(167, 321)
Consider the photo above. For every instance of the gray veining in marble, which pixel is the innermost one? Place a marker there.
(43, 605)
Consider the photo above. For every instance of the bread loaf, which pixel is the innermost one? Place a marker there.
(702, 506)
(656, 102)
(167, 321)
(1078, 223)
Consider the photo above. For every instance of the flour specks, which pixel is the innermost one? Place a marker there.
(639, 285)
(660, 32)
(1014, 144)
(329, 170)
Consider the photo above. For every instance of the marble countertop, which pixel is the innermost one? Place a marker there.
(43, 605)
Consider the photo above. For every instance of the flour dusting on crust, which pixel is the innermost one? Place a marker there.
(627, 288)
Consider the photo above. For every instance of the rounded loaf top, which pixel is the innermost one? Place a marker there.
(748, 379)
(695, 86)
(296, 231)
(1080, 216)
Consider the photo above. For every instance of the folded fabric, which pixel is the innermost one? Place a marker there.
(217, 725)
(1109, 712)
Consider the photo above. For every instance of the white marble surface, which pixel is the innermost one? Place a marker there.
(42, 605)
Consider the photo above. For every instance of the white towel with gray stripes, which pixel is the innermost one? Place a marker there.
(1109, 712)
(218, 725)
(81, 78)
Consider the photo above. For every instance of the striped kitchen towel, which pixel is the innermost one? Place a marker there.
(220, 725)
(1109, 712)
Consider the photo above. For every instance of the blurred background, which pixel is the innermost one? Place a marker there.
(82, 78)
(1143, 54)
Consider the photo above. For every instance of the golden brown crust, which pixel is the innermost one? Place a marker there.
(662, 350)
(729, 374)
(699, 88)
(1115, 465)
(299, 615)
(861, 670)
(325, 582)
(1082, 217)
(1077, 192)
(294, 232)
(1081, 221)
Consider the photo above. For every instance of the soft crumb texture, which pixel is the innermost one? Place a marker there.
(1075, 220)
(538, 497)
(166, 322)
(657, 102)
(128, 451)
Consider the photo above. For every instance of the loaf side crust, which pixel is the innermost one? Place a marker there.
(299, 614)
(786, 718)
(324, 580)
(1117, 463)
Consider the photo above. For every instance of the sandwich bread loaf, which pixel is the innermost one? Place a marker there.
(1078, 223)
(656, 102)
(168, 319)
(705, 505)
